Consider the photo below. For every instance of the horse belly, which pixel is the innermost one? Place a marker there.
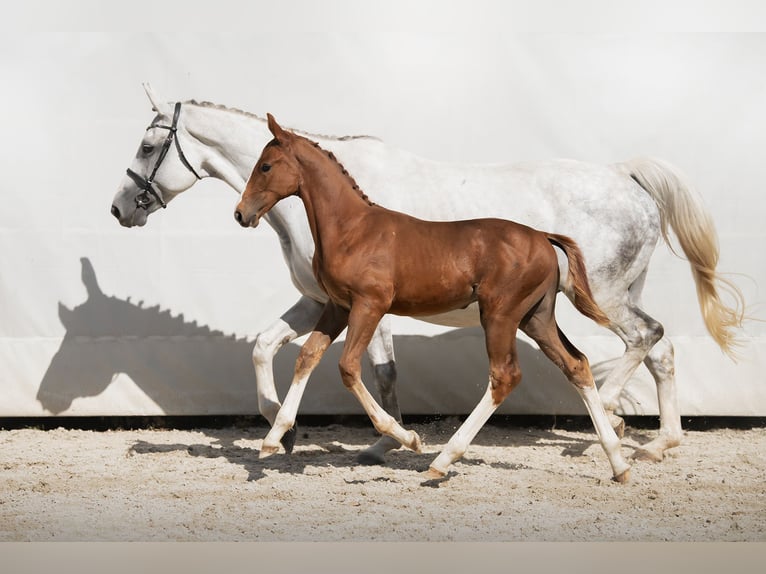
(467, 317)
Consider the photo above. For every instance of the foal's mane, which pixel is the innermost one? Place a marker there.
(343, 170)
(221, 107)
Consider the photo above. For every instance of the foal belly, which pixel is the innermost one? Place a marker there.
(468, 317)
(452, 308)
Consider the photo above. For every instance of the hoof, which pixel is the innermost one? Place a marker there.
(376, 454)
(618, 424)
(415, 443)
(368, 457)
(267, 451)
(288, 439)
(623, 477)
(645, 455)
(433, 474)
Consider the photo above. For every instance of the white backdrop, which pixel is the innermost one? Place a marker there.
(100, 320)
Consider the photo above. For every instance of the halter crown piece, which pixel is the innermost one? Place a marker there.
(146, 184)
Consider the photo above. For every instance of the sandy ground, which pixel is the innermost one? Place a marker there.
(514, 484)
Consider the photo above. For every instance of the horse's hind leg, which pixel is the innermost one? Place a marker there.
(644, 341)
(504, 376)
(542, 327)
(659, 361)
(381, 354)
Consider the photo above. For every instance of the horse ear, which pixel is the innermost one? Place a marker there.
(277, 131)
(88, 275)
(157, 104)
(65, 314)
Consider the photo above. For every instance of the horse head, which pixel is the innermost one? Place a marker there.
(276, 175)
(160, 170)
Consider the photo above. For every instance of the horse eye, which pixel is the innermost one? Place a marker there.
(147, 148)
(265, 167)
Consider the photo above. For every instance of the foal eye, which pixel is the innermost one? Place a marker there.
(265, 167)
(147, 148)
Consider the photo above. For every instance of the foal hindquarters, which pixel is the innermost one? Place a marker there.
(539, 323)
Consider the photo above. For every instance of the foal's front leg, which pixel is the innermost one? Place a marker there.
(295, 322)
(331, 323)
(363, 319)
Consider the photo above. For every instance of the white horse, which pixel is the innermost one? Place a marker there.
(616, 213)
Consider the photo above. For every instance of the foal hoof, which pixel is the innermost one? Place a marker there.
(623, 477)
(434, 474)
(647, 455)
(618, 424)
(267, 451)
(415, 443)
(288, 439)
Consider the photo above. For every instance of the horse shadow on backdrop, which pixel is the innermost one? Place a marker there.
(191, 369)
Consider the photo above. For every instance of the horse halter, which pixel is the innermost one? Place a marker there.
(146, 184)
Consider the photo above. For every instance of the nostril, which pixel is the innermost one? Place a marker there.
(116, 211)
(238, 216)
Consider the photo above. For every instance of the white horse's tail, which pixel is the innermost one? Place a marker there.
(684, 212)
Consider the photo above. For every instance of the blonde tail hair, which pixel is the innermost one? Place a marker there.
(684, 212)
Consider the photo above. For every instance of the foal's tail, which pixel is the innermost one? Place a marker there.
(577, 279)
(683, 211)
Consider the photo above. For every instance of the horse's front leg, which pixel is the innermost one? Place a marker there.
(381, 354)
(331, 323)
(295, 322)
(363, 319)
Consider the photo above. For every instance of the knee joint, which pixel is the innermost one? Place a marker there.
(645, 335)
(349, 372)
(503, 380)
(264, 349)
(581, 374)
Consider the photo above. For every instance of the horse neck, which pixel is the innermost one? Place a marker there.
(229, 141)
(333, 204)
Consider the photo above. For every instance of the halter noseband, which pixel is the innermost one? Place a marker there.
(146, 184)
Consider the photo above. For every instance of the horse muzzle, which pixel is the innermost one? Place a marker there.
(245, 220)
(135, 219)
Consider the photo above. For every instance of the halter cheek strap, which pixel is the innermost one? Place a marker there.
(146, 184)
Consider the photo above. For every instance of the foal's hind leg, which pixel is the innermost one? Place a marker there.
(543, 329)
(504, 376)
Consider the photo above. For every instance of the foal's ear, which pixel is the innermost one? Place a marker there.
(276, 130)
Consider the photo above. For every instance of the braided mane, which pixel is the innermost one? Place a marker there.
(220, 107)
(343, 170)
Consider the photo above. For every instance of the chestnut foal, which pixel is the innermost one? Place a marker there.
(371, 261)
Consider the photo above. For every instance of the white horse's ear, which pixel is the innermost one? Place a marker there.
(157, 104)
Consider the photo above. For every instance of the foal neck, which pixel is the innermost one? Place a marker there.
(332, 198)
